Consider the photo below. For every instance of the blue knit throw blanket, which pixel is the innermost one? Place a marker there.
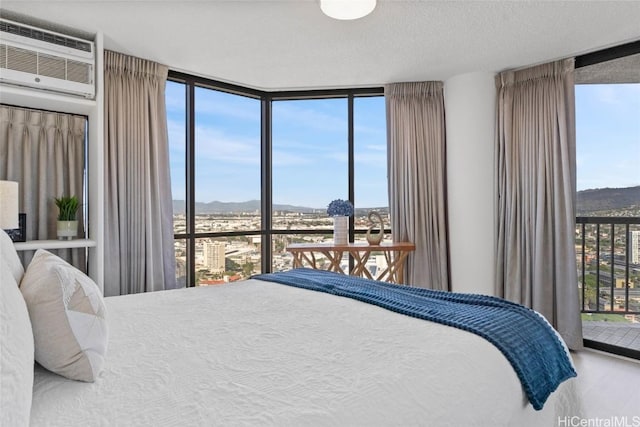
(523, 336)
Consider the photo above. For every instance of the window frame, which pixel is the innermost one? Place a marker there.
(266, 98)
(592, 58)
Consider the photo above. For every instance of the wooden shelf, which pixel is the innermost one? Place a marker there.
(32, 245)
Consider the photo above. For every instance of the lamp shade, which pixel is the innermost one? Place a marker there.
(347, 9)
(8, 205)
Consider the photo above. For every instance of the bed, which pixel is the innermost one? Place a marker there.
(262, 353)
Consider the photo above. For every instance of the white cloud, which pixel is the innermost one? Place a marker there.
(374, 159)
(214, 145)
(295, 112)
(337, 156)
(176, 135)
(288, 158)
(619, 95)
(606, 94)
(241, 108)
(376, 147)
(380, 131)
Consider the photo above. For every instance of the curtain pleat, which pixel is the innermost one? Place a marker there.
(44, 152)
(535, 184)
(417, 193)
(139, 255)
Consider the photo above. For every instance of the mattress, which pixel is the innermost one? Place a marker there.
(259, 353)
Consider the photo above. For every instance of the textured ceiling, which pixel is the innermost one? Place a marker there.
(291, 45)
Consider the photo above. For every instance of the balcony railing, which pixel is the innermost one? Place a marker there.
(608, 256)
(608, 264)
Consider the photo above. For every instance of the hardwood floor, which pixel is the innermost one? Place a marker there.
(609, 386)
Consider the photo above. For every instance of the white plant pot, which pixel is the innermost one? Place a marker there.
(67, 230)
(340, 230)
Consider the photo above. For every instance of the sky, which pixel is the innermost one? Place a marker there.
(309, 154)
(607, 135)
(310, 145)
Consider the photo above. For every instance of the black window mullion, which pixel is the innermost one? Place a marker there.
(351, 156)
(266, 184)
(191, 171)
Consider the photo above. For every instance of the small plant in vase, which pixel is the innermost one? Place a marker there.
(340, 210)
(67, 221)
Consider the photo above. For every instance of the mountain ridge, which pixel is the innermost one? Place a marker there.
(588, 202)
(607, 199)
(236, 207)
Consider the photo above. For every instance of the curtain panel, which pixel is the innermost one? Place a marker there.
(417, 179)
(44, 152)
(535, 186)
(139, 255)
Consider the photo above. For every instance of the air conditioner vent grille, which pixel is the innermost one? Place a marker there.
(51, 66)
(22, 60)
(32, 62)
(80, 72)
(32, 33)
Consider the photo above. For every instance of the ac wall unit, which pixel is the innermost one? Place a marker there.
(46, 60)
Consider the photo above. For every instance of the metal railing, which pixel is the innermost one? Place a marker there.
(609, 279)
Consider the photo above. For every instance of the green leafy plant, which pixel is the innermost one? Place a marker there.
(68, 207)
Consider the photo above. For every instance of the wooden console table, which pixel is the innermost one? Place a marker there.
(394, 253)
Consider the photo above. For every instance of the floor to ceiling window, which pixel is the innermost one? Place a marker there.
(175, 96)
(370, 163)
(310, 164)
(254, 171)
(226, 186)
(608, 202)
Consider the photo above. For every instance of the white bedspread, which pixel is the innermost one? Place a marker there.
(259, 354)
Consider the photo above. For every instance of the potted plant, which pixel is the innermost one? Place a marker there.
(340, 210)
(67, 222)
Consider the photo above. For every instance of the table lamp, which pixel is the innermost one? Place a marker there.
(10, 220)
(8, 205)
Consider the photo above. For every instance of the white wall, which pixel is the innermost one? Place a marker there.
(470, 122)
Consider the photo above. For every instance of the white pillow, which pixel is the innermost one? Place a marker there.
(68, 317)
(16, 353)
(9, 254)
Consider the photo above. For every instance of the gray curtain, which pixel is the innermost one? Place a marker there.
(416, 165)
(535, 184)
(44, 152)
(139, 255)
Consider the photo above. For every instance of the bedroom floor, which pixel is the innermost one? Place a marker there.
(608, 385)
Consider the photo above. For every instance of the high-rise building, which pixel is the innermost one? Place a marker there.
(634, 247)
(214, 256)
(181, 270)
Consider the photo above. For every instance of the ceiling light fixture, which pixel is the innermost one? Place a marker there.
(347, 9)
